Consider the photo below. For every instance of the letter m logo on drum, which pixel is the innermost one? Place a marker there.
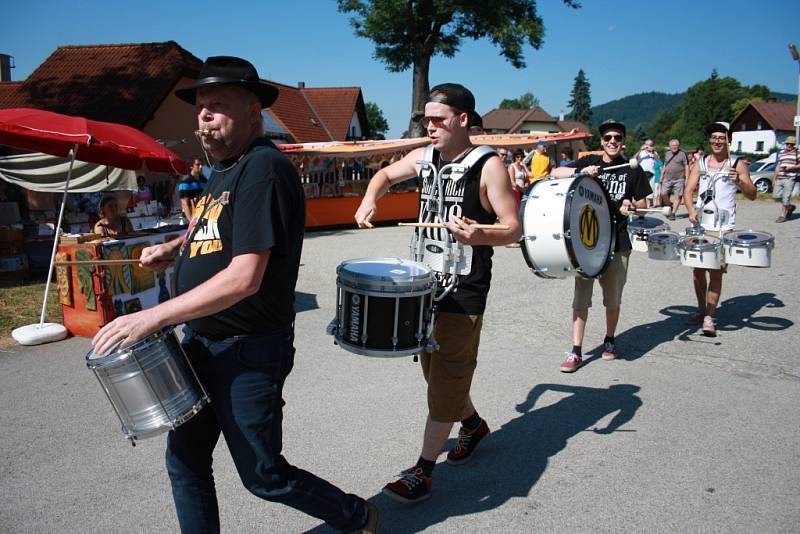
(589, 226)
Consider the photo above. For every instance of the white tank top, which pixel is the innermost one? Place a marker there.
(724, 192)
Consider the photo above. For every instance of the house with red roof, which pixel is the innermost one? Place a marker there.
(762, 126)
(133, 84)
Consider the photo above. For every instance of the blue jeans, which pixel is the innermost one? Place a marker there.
(244, 378)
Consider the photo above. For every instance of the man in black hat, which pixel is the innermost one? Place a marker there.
(236, 271)
(482, 194)
(628, 188)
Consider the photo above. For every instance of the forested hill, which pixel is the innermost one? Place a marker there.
(640, 109)
(635, 110)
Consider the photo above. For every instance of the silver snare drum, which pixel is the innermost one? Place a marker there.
(640, 228)
(384, 307)
(663, 246)
(700, 252)
(749, 248)
(151, 385)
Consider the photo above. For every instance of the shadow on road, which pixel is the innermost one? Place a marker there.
(733, 314)
(512, 458)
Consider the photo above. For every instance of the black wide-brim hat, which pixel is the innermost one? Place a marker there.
(228, 70)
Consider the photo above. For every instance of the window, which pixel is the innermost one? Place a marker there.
(739, 146)
(759, 146)
(758, 126)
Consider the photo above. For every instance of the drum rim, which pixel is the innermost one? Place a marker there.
(700, 247)
(121, 354)
(373, 278)
(675, 237)
(613, 227)
(731, 241)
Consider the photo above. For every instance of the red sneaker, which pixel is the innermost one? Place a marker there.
(572, 363)
(467, 443)
(413, 486)
(609, 351)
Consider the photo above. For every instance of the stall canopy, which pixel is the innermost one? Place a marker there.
(365, 149)
(45, 173)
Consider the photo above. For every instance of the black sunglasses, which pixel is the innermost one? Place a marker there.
(610, 137)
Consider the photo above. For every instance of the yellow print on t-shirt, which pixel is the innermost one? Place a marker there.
(206, 239)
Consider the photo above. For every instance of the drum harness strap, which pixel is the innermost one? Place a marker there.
(721, 217)
(454, 251)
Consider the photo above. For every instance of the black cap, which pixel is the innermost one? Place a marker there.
(228, 70)
(718, 127)
(458, 97)
(611, 124)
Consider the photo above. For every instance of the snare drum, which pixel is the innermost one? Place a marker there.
(749, 248)
(151, 385)
(384, 307)
(567, 227)
(700, 252)
(640, 228)
(663, 246)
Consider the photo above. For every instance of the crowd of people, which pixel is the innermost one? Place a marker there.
(237, 268)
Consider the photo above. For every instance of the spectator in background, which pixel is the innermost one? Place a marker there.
(786, 174)
(540, 163)
(143, 193)
(519, 175)
(190, 187)
(676, 172)
(647, 157)
(111, 223)
(566, 157)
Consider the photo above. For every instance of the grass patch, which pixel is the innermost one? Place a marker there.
(22, 304)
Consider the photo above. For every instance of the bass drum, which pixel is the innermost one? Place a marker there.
(567, 227)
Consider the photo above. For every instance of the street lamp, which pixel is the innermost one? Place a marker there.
(796, 57)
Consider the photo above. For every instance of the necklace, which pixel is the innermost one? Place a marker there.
(232, 165)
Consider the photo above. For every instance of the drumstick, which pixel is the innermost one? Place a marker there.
(95, 262)
(666, 210)
(632, 164)
(440, 225)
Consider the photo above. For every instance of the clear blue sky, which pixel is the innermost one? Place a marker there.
(624, 46)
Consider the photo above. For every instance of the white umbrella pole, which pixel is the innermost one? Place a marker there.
(72, 154)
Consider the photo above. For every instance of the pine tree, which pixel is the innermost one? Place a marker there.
(580, 99)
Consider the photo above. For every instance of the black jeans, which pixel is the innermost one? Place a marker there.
(244, 378)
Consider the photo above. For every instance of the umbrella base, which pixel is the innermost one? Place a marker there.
(34, 334)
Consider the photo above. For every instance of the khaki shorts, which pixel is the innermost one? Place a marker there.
(448, 371)
(612, 281)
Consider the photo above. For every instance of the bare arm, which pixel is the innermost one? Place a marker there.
(688, 191)
(240, 279)
(379, 184)
(741, 177)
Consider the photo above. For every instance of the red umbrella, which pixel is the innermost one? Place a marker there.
(104, 143)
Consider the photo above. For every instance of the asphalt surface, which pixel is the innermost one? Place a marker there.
(684, 433)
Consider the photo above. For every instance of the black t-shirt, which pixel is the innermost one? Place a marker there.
(620, 183)
(265, 210)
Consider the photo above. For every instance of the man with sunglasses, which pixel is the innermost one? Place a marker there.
(717, 178)
(628, 188)
(481, 195)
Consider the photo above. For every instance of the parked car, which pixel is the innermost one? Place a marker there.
(762, 178)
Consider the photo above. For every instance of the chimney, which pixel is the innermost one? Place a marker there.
(561, 116)
(301, 85)
(6, 64)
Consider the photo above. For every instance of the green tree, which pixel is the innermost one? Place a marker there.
(378, 126)
(526, 101)
(407, 33)
(580, 99)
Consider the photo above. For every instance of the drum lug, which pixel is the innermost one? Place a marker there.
(332, 327)
(556, 236)
(530, 237)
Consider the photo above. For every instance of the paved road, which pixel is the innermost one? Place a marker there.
(684, 434)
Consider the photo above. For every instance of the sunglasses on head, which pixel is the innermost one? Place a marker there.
(612, 137)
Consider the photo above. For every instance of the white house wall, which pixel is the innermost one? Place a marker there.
(746, 141)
